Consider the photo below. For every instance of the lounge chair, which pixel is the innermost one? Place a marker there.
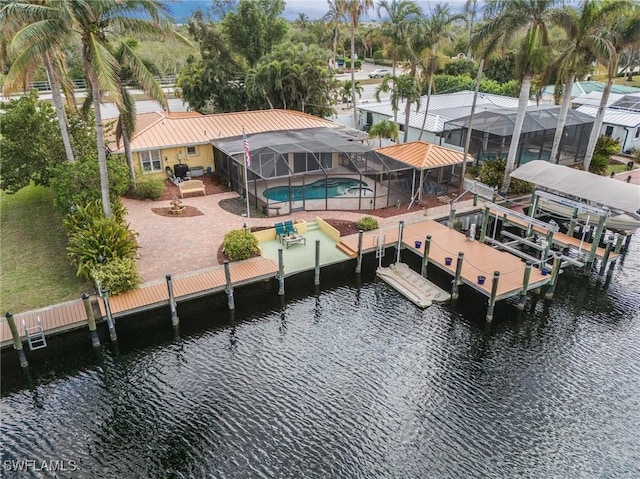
(281, 231)
(290, 229)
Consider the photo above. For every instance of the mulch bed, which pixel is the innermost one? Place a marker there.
(212, 186)
(188, 212)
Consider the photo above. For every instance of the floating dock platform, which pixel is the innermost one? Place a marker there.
(412, 285)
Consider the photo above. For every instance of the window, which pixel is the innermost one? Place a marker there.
(638, 132)
(608, 131)
(191, 151)
(150, 160)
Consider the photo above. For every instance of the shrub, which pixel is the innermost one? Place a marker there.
(605, 147)
(367, 223)
(378, 55)
(84, 215)
(101, 238)
(150, 188)
(117, 275)
(492, 174)
(240, 244)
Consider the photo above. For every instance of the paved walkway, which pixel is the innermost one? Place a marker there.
(174, 245)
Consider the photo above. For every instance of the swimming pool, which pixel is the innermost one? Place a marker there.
(324, 188)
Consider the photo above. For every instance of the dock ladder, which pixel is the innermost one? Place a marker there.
(35, 335)
(380, 249)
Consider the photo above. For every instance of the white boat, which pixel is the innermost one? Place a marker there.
(619, 222)
(412, 285)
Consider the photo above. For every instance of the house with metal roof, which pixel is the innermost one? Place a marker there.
(621, 120)
(492, 131)
(587, 89)
(442, 108)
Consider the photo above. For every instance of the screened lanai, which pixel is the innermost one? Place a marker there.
(319, 169)
(492, 131)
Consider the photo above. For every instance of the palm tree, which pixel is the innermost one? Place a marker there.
(347, 90)
(354, 9)
(399, 12)
(506, 19)
(621, 32)
(334, 17)
(470, 10)
(384, 129)
(30, 21)
(437, 29)
(407, 88)
(581, 29)
(135, 68)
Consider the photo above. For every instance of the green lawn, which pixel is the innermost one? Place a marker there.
(34, 267)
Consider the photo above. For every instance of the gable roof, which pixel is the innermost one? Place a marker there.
(423, 155)
(626, 118)
(162, 130)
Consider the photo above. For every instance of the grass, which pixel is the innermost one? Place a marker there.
(616, 168)
(34, 267)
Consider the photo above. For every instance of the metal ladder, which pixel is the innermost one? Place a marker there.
(380, 249)
(35, 335)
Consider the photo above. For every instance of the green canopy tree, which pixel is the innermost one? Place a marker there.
(384, 129)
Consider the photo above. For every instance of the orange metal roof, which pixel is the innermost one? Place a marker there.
(423, 155)
(173, 130)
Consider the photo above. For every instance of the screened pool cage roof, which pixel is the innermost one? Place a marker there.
(269, 152)
(502, 122)
(629, 102)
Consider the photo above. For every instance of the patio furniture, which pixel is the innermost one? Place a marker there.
(294, 239)
(191, 186)
(281, 231)
(291, 230)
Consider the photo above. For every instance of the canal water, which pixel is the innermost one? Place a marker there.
(346, 381)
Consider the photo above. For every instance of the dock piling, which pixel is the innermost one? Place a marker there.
(618, 246)
(475, 199)
(492, 299)
(555, 271)
(359, 260)
(399, 246)
(229, 288)
(280, 272)
(17, 342)
(104, 294)
(452, 215)
(316, 275)
(175, 321)
(456, 280)
(91, 320)
(627, 242)
(525, 286)
(485, 224)
(425, 256)
(594, 245)
(605, 258)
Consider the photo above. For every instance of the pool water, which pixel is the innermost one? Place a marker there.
(324, 188)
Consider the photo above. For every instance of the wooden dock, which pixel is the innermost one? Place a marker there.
(479, 258)
(71, 315)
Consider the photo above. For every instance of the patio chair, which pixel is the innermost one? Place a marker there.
(172, 178)
(290, 229)
(281, 231)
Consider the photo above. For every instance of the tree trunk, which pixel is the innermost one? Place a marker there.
(562, 119)
(356, 124)
(127, 153)
(597, 125)
(523, 102)
(393, 74)
(426, 108)
(59, 106)
(102, 151)
(407, 114)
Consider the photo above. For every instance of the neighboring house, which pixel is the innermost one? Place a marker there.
(621, 120)
(492, 131)
(587, 88)
(442, 108)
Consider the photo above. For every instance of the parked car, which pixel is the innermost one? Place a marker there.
(379, 73)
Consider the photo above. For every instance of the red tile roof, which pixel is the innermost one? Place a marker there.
(423, 155)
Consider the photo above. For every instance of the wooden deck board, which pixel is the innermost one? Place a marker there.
(479, 258)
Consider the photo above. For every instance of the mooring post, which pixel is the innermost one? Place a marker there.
(618, 246)
(572, 223)
(492, 299)
(594, 245)
(475, 199)
(175, 321)
(104, 294)
(456, 280)
(316, 276)
(91, 320)
(485, 223)
(605, 258)
(555, 271)
(280, 272)
(452, 215)
(17, 342)
(229, 288)
(525, 286)
(399, 245)
(627, 242)
(425, 256)
(532, 211)
(359, 260)
(549, 240)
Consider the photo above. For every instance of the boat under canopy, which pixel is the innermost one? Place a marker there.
(614, 194)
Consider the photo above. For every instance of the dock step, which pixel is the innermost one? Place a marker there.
(35, 335)
(346, 250)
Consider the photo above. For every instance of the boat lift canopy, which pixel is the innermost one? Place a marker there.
(581, 184)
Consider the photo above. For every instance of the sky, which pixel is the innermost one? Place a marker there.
(314, 9)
